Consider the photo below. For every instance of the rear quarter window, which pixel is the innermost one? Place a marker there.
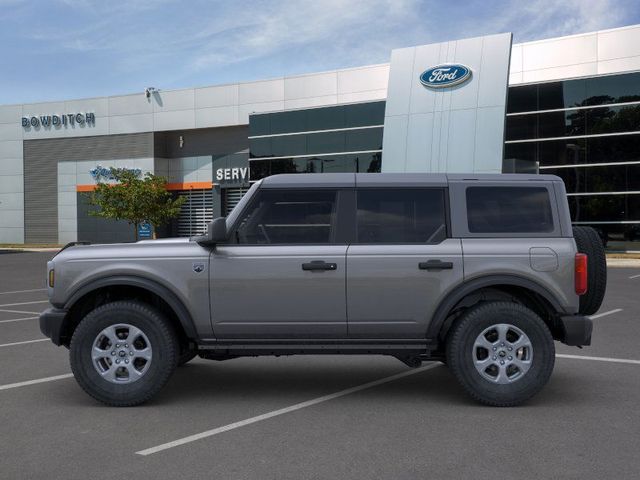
(498, 209)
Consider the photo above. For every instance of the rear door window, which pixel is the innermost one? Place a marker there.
(499, 209)
(404, 215)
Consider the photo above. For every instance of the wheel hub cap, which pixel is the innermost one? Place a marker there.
(502, 353)
(121, 353)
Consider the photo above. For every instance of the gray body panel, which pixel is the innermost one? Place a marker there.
(513, 256)
(168, 263)
(388, 296)
(262, 292)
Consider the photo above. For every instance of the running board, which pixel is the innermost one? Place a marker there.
(242, 347)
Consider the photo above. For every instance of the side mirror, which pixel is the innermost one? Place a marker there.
(216, 232)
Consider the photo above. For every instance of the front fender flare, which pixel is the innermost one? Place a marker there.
(184, 317)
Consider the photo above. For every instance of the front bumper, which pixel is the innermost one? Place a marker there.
(576, 330)
(51, 323)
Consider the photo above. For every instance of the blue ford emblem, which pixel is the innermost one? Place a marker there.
(442, 76)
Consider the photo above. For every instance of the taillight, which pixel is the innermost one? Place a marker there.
(581, 274)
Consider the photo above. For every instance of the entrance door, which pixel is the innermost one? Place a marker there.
(284, 274)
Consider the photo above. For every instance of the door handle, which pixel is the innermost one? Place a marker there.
(435, 265)
(319, 265)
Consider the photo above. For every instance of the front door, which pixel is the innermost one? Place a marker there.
(402, 262)
(283, 275)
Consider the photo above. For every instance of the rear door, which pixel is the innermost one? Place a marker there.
(402, 261)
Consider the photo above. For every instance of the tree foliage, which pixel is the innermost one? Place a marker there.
(135, 199)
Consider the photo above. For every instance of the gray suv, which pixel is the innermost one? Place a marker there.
(482, 272)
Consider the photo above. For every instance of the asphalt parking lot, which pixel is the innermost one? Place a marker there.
(316, 417)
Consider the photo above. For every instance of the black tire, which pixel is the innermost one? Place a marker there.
(460, 353)
(163, 342)
(186, 356)
(588, 241)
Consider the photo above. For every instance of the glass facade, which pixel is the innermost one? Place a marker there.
(586, 131)
(344, 138)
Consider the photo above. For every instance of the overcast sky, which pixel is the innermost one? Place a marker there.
(66, 49)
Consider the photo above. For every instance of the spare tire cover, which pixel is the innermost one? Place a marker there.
(588, 242)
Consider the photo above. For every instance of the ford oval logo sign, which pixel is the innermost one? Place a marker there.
(442, 76)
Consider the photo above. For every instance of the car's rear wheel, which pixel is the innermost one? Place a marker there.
(502, 353)
(122, 353)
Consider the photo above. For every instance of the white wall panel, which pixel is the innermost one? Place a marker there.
(12, 218)
(10, 235)
(318, 85)
(561, 52)
(216, 116)
(130, 104)
(46, 108)
(99, 106)
(173, 100)
(624, 42)
(515, 65)
(222, 96)
(419, 141)
(11, 149)
(131, 123)
(400, 82)
(488, 139)
(11, 166)
(368, 96)
(259, 92)
(374, 77)
(178, 120)
(10, 131)
(395, 151)
(245, 110)
(628, 64)
(569, 71)
(10, 114)
(311, 102)
(11, 201)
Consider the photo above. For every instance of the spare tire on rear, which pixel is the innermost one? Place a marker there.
(588, 242)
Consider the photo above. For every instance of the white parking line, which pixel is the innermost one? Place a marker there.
(282, 411)
(599, 359)
(23, 343)
(610, 312)
(18, 319)
(634, 276)
(24, 291)
(23, 303)
(18, 311)
(34, 382)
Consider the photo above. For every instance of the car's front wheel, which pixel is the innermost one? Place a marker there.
(122, 353)
(502, 353)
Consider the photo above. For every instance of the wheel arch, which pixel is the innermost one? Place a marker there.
(529, 292)
(110, 288)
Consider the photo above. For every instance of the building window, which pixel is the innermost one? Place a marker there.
(591, 140)
(344, 138)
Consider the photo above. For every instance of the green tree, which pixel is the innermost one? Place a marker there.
(135, 199)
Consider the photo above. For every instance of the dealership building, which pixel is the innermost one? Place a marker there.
(568, 106)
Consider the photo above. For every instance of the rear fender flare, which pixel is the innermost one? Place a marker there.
(466, 288)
